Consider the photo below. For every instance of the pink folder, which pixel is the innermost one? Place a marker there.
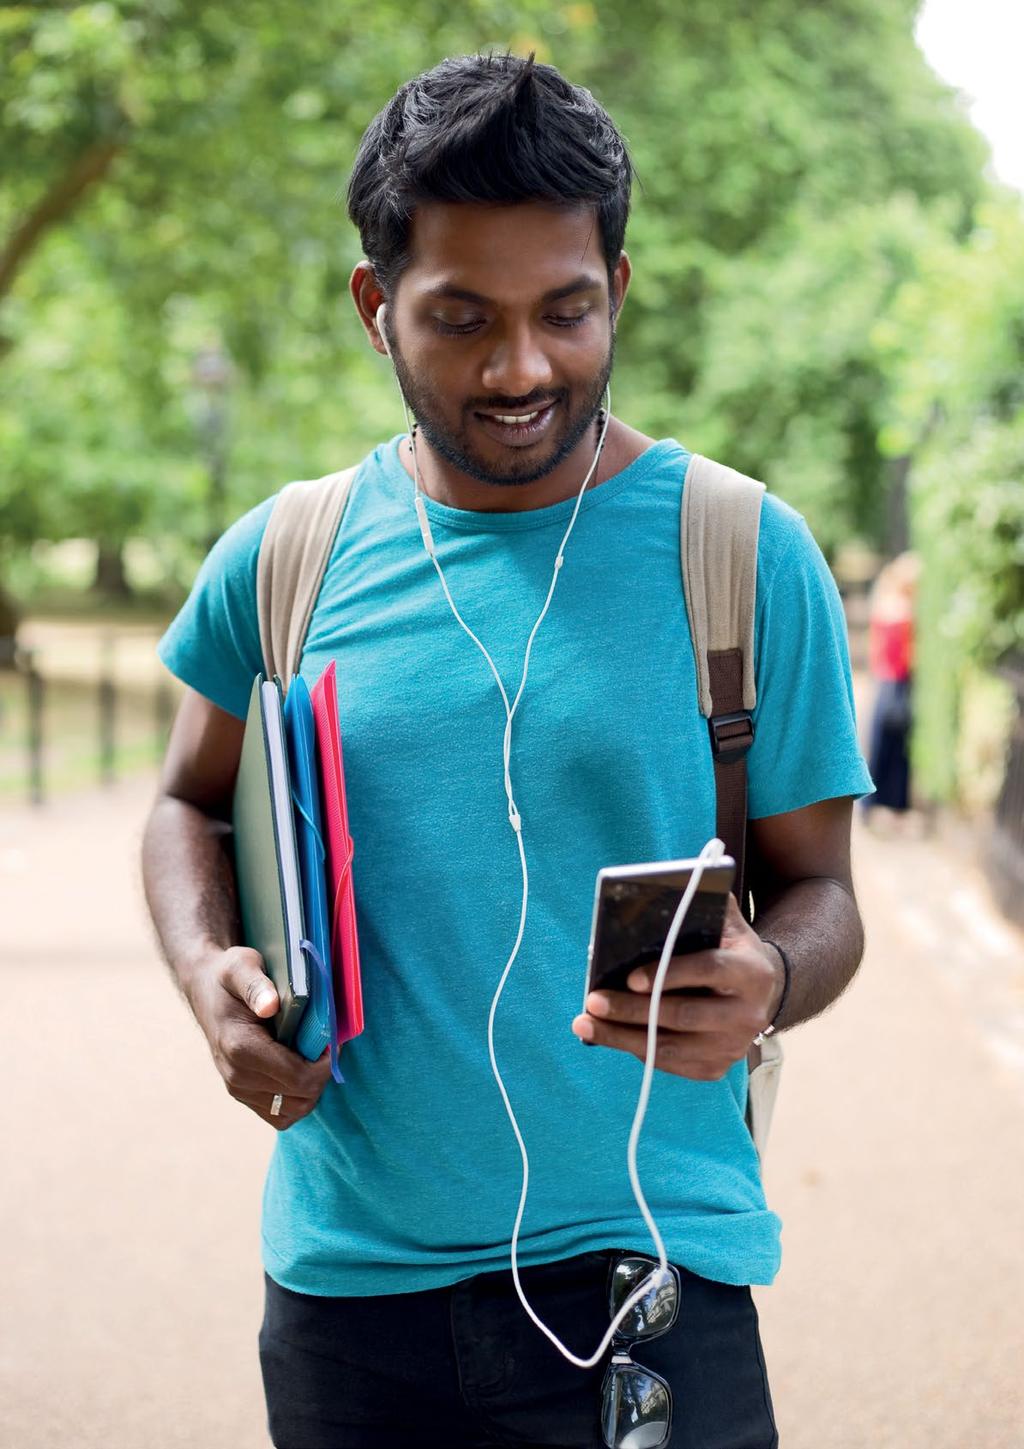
(348, 994)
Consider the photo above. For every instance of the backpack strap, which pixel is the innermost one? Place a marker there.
(293, 557)
(719, 526)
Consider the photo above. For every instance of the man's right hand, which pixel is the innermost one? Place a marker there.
(233, 999)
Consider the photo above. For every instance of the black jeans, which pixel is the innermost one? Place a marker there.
(464, 1367)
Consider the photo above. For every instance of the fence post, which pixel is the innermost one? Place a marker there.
(107, 710)
(36, 696)
(163, 710)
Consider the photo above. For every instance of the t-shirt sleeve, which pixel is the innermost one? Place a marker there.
(213, 642)
(805, 729)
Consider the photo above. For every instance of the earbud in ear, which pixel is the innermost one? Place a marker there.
(379, 319)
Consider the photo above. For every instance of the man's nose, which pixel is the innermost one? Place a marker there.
(518, 364)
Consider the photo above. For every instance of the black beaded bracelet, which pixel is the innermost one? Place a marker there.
(785, 986)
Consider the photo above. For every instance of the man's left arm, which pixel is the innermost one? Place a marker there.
(804, 901)
(804, 904)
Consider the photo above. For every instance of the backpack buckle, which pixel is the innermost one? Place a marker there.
(731, 736)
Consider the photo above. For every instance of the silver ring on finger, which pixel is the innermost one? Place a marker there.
(276, 1105)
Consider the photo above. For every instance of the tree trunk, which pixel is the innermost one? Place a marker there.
(9, 617)
(897, 527)
(111, 578)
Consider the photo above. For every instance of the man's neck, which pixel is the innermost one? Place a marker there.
(446, 484)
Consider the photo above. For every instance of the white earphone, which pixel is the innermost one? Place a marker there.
(379, 319)
(712, 851)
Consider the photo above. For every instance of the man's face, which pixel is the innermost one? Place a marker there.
(504, 310)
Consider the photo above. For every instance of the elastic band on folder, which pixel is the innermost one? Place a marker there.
(332, 1019)
(343, 875)
(306, 817)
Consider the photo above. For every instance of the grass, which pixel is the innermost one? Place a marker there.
(56, 602)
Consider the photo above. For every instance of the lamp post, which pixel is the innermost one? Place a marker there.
(212, 375)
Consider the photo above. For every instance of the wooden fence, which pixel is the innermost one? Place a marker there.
(68, 722)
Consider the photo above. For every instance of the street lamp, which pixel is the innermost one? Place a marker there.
(212, 375)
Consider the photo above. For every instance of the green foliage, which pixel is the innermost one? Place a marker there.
(793, 389)
(795, 161)
(792, 158)
(955, 342)
(969, 513)
(95, 444)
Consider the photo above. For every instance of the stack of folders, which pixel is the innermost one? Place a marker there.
(293, 863)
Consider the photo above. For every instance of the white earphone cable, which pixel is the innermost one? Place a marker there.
(712, 852)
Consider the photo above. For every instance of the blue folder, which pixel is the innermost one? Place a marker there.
(318, 1026)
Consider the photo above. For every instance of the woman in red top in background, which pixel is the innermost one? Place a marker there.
(891, 655)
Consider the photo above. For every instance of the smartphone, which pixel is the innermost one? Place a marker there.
(634, 906)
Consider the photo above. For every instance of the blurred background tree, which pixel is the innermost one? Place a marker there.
(954, 345)
(815, 299)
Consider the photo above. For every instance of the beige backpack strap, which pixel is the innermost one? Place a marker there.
(294, 551)
(719, 527)
(765, 1067)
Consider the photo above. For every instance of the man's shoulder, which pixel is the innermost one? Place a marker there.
(242, 538)
(784, 540)
(781, 523)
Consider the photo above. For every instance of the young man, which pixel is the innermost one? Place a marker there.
(491, 198)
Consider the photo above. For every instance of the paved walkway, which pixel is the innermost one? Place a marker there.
(130, 1261)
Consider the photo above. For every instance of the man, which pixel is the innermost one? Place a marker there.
(491, 199)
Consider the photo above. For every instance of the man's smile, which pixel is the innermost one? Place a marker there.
(517, 429)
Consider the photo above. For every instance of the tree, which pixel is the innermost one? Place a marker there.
(954, 342)
(176, 182)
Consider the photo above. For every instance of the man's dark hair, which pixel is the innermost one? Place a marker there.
(485, 128)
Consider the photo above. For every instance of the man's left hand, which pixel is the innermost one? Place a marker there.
(699, 1037)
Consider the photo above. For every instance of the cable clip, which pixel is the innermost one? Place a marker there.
(424, 521)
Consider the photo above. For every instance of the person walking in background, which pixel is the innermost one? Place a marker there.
(891, 659)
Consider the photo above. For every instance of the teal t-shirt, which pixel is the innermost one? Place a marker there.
(408, 1176)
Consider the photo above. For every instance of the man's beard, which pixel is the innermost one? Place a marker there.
(455, 447)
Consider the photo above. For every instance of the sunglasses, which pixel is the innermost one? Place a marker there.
(636, 1404)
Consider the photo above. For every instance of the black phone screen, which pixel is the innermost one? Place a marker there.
(634, 908)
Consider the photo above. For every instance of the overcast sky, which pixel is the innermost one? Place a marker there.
(978, 46)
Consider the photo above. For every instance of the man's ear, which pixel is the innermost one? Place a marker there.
(368, 297)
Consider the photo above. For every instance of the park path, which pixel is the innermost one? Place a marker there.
(132, 1291)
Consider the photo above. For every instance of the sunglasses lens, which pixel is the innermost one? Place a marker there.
(636, 1409)
(656, 1311)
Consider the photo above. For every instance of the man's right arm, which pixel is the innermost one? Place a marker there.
(189, 882)
(190, 889)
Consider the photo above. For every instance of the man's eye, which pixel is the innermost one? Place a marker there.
(450, 329)
(463, 329)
